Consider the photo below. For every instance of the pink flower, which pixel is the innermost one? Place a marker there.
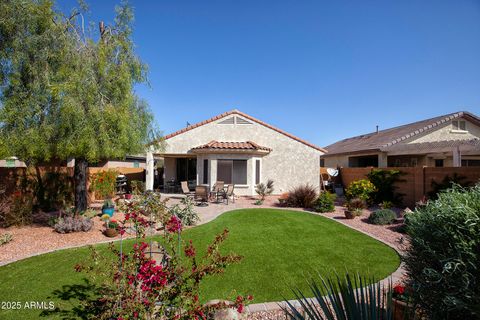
(174, 224)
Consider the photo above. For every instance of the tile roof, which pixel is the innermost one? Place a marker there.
(376, 141)
(426, 147)
(248, 145)
(225, 114)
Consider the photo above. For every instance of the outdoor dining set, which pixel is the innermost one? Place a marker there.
(220, 193)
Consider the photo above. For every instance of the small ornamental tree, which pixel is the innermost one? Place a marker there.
(157, 281)
(68, 92)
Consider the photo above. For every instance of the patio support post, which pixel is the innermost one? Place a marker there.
(149, 176)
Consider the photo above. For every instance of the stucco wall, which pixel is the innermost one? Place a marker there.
(290, 163)
(444, 132)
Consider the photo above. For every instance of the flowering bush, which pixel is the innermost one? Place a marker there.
(157, 282)
(103, 183)
(362, 189)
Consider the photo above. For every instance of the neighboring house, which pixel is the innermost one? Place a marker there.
(137, 161)
(451, 140)
(237, 148)
(11, 162)
(129, 162)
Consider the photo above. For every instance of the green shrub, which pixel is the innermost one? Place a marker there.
(17, 211)
(302, 196)
(325, 202)
(382, 216)
(384, 182)
(443, 259)
(5, 238)
(362, 189)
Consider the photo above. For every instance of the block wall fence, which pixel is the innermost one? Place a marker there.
(416, 181)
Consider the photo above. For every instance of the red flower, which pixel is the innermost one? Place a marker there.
(174, 224)
(240, 308)
(190, 250)
(399, 289)
(250, 298)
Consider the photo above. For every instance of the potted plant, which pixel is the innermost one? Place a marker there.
(354, 208)
(111, 226)
(108, 207)
(401, 307)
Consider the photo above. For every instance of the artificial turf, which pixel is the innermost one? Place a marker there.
(281, 250)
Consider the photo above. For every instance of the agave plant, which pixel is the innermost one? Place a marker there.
(347, 298)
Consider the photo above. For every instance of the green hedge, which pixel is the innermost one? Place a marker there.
(443, 259)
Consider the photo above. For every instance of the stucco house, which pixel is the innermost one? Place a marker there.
(451, 140)
(239, 149)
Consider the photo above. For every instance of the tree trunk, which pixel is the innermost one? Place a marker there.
(80, 178)
(40, 189)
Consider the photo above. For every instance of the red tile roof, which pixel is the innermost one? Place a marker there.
(225, 114)
(248, 145)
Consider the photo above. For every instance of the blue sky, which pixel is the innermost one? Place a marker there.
(321, 70)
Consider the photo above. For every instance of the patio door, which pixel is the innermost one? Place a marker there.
(186, 169)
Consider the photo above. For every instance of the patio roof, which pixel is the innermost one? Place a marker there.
(231, 146)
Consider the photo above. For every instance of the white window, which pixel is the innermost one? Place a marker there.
(232, 171)
(459, 125)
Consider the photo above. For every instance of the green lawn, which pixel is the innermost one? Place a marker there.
(280, 249)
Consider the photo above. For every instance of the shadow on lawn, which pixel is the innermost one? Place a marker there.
(82, 299)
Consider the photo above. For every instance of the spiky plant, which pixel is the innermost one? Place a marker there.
(347, 298)
(264, 189)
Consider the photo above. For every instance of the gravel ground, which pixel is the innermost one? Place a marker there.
(386, 233)
(37, 239)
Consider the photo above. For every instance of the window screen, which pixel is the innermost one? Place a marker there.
(240, 171)
(232, 171)
(205, 171)
(257, 171)
(459, 125)
(224, 171)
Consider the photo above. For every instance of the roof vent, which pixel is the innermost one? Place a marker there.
(242, 121)
(230, 120)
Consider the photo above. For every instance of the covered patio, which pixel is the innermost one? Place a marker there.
(237, 163)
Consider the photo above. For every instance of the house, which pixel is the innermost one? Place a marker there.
(239, 149)
(130, 161)
(451, 140)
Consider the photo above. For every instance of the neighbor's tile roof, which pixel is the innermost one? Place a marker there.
(218, 145)
(385, 138)
(225, 114)
(434, 146)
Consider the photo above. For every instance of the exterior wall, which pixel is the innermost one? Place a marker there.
(445, 133)
(170, 169)
(336, 161)
(290, 163)
(124, 164)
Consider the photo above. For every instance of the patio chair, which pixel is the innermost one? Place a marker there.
(226, 194)
(186, 190)
(201, 195)
(218, 188)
